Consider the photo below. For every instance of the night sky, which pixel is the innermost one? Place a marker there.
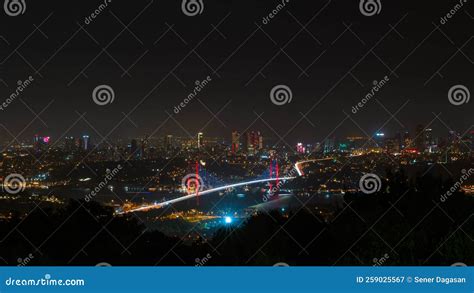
(327, 52)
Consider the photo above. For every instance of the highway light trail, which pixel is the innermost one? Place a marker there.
(212, 190)
(201, 193)
(297, 165)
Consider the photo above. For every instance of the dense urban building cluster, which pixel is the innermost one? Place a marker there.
(153, 168)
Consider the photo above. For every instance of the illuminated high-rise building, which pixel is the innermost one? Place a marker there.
(379, 139)
(85, 142)
(169, 142)
(407, 141)
(392, 145)
(454, 141)
(200, 140)
(260, 141)
(143, 147)
(356, 143)
(300, 148)
(329, 145)
(69, 143)
(254, 141)
(428, 137)
(40, 142)
(235, 142)
(420, 138)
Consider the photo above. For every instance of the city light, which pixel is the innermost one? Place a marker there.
(194, 142)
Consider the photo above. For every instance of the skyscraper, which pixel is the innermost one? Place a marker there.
(69, 143)
(143, 147)
(85, 142)
(329, 145)
(133, 147)
(260, 141)
(428, 137)
(169, 142)
(406, 140)
(200, 140)
(420, 138)
(254, 141)
(40, 142)
(235, 142)
(379, 139)
(300, 148)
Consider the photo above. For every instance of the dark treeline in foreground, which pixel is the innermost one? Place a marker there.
(406, 223)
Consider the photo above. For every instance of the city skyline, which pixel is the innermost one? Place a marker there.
(238, 137)
(207, 132)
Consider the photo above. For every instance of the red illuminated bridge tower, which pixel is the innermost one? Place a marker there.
(274, 169)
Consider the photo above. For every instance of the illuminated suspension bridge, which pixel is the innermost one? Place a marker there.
(197, 193)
